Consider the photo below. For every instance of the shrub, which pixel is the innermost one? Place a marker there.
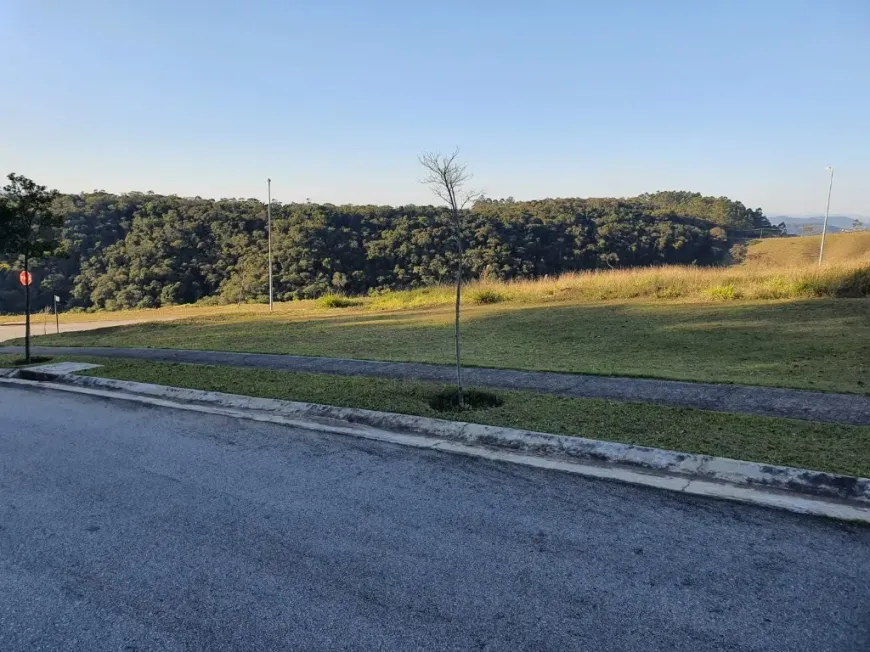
(855, 285)
(775, 288)
(448, 400)
(336, 301)
(670, 292)
(814, 286)
(34, 359)
(485, 296)
(722, 292)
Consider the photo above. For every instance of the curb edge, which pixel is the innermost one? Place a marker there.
(686, 466)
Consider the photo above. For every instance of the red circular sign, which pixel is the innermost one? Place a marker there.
(25, 278)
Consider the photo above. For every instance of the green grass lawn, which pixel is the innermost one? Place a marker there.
(18, 360)
(827, 447)
(821, 344)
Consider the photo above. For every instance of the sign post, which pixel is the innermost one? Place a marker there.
(56, 316)
(26, 278)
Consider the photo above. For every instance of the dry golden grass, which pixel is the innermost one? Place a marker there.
(674, 283)
(776, 268)
(794, 252)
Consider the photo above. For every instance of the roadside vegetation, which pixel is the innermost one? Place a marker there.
(773, 269)
(821, 344)
(769, 320)
(668, 283)
(826, 447)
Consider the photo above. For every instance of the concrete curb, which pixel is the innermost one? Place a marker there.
(685, 468)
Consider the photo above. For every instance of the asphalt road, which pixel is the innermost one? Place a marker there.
(132, 528)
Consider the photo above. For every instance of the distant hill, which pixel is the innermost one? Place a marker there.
(789, 252)
(836, 223)
(142, 250)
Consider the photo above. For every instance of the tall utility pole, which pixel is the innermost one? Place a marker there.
(827, 210)
(269, 220)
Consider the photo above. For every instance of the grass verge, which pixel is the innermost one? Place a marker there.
(826, 447)
(821, 344)
(19, 361)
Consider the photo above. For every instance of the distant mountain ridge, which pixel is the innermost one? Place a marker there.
(836, 223)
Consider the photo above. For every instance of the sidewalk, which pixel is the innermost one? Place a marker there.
(40, 324)
(848, 409)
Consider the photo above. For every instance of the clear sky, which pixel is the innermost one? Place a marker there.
(334, 99)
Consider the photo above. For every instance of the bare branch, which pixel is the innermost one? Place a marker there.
(447, 176)
(468, 198)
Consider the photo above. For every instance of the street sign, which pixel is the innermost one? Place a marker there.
(25, 278)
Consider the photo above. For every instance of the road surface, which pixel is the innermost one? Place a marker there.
(40, 326)
(127, 527)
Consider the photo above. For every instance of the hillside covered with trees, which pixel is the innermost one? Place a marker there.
(142, 250)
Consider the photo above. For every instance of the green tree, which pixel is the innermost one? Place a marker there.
(148, 250)
(447, 176)
(29, 230)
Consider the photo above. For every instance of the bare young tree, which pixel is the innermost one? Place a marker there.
(447, 176)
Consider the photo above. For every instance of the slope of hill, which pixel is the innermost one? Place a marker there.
(142, 250)
(792, 252)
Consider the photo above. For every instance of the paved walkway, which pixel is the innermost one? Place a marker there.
(40, 325)
(766, 401)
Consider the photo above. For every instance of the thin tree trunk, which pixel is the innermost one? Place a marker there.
(26, 311)
(458, 297)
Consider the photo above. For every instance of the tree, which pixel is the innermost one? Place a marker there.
(857, 225)
(28, 229)
(447, 176)
(148, 250)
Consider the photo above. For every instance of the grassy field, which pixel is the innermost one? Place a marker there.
(821, 344)
(749, 282)
(775, 268)
(804, 251)
(763, 322)
(827, 447)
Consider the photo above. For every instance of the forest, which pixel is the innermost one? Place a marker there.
(144, 250)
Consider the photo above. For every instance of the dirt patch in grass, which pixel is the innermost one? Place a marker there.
(448, 401)
(34, 359)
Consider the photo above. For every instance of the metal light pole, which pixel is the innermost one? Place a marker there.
(827, 210)
(269, 220)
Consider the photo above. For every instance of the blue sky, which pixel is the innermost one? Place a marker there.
(335, 99)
